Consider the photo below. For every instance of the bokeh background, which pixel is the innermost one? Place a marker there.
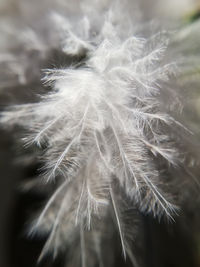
(163, 244)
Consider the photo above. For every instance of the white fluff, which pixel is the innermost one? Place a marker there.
(104, 125)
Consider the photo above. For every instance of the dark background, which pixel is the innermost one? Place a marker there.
(163, 244)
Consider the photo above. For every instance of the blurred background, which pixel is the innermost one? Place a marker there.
(163, 244)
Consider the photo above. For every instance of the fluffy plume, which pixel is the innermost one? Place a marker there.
(107, 124)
